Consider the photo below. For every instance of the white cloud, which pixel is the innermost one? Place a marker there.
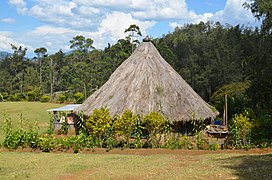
(21, 6)
(8, 20)
(6, 41)
(50, 37)
(234, 13)
(45, 30)
(113, 26)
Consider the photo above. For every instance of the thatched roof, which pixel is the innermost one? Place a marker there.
(145, 82)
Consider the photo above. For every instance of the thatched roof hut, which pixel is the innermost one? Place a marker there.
(145, 82)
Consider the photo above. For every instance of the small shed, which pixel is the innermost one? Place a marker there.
(64, 115)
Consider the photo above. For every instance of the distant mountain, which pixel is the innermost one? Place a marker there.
(68, 52)
(4, 54)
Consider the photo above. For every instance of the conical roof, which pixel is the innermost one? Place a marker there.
(145, 82)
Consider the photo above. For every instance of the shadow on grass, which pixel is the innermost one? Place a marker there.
(250, 166)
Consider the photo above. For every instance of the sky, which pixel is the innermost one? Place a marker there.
(53, 23)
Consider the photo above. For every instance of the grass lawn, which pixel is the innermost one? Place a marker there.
(31, 111)
(125, 164)
(179, 165)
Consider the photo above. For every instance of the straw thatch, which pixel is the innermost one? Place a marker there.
(145, 82)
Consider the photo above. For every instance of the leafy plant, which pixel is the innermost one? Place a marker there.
(124, 125)
(154, 122)
(31, 136)
(198, 126)
(172, 141)
(50, 129)
(45, 98)
(64, 128)
(63, 144)
(21, 136)
(214, 146)
(138, 132)
(185, 143)
(240, 130)
(79, 97)
(99, 123)
(62, 98)
(46, 143)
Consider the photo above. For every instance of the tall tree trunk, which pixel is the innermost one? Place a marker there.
(51, 78)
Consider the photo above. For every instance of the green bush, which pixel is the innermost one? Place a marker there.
(172, 141)
(99, 123)
(47, 143)
(124, 125)
(154, 122)
(214, 146)
(185, 143)
(34, 94)
(17, 97)
(79, 97)
(240, 130)
(61, 98)
(21, 136)
(45, 98)
(137, 133)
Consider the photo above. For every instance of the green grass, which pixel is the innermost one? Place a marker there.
(16, 165)
(30, 111)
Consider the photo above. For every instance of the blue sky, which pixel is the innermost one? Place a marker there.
(53, 23)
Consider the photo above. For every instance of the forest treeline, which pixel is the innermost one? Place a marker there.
(214, 59)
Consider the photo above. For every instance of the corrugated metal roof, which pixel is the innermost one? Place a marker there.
(69, 107)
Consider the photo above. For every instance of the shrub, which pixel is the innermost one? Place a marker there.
(154, 122)
(99, 124)
(79, 97)
(61, 98)
(185, 143)
(214, 146)
(17, 97)
(172, 141)
(31, 136)
(63, 144)
(21, 136)
(46, 143)
(124, 125)
(76, 143)
(45, 98)
(198, 132)
(240, 130)
(34, 94)
(137, 133)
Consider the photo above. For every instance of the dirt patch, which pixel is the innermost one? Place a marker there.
(146, 152)
(176, 151)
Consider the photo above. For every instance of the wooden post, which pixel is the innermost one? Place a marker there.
(226, 109)
(55, 119)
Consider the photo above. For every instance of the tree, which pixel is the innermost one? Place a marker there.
(262, 10)
(82, 44)
(41, 53)
(18, 65)
(258, 64)
(134, 31)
